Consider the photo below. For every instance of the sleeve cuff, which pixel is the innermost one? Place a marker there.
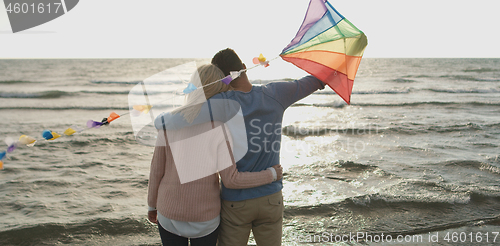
(275, 176)
(151, 208)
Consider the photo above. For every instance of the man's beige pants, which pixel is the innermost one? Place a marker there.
(262, 215)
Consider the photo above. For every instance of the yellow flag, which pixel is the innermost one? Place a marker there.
(69, 131)
(27, 140)
(54, 136)
(143, 108)
(262, 58)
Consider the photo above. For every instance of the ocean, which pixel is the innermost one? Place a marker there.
(414, 158)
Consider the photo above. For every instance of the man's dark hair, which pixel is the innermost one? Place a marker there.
(227, 60)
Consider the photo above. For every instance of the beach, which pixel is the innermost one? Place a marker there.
(415, 154)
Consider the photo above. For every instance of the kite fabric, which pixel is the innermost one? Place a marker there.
(328, 47)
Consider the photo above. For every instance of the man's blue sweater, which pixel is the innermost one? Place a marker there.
(263, 108)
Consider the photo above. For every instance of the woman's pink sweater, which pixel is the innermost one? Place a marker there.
(198, 200)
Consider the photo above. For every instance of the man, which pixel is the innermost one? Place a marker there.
(258, 209)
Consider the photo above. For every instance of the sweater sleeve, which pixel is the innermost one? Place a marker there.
(287, 93)
(231, 177)
(157, 169)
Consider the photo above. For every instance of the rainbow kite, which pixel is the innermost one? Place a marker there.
(327, 46)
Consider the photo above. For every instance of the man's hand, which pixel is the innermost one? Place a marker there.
(153, 216)
(279, 171)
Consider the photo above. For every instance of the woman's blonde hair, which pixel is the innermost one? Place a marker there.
(205, 75)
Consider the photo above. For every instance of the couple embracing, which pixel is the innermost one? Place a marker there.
(205, 139)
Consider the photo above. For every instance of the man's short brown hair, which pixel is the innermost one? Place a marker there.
(227, 60)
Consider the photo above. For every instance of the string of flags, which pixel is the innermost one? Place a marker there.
(136, 111)
(51, 135)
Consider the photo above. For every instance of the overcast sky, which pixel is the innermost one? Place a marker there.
(199, 28)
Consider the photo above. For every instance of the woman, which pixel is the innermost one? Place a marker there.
(184, 196)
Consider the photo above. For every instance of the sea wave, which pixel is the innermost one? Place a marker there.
(133, 92)
(335, 104)
(15, 81)
(106, 92)
(485, 167)
(418, 76)
(443, 200)
(436, 199)
(53, 94)
(413, 130)
(481, 70)
(466, 91)
(399, 129)
(135, 82)
(68, 233)
(124, 138)
(425, 195)
(115, 82)
(414, 104)
(42, 95)
(370, 92)
(411, 90)
(341, 104)
(158, 108)
(402, 80)
(469, 78)
(297, 131)
(66, 108)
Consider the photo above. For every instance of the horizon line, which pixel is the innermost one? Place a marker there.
(95, 58)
